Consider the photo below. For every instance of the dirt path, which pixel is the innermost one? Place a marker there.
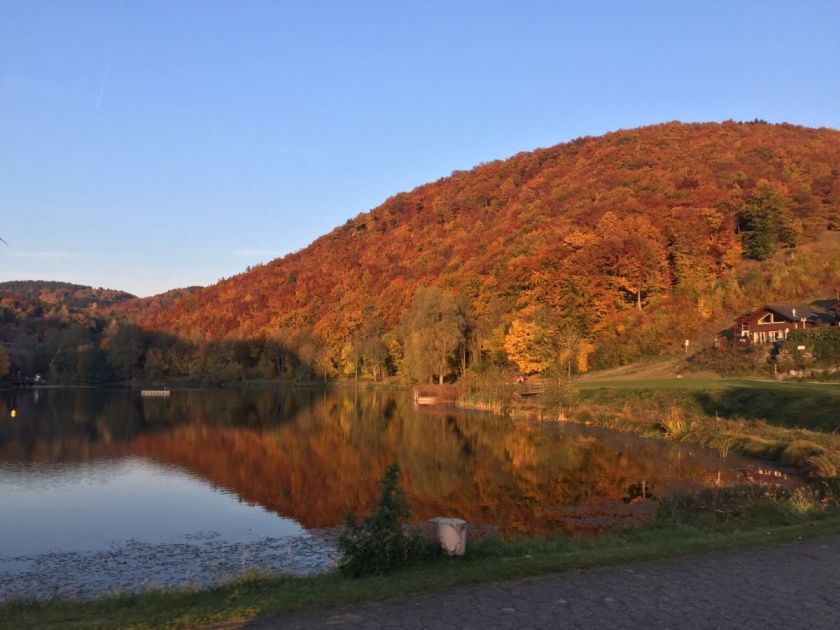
(796, 585)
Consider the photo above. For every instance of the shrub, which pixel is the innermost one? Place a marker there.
(486, 389)
(380, 542)
(559, 395)
(674, 423)
(732, 359)
(821, 343)
(733, 506)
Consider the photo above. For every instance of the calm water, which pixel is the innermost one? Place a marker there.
(85, 469)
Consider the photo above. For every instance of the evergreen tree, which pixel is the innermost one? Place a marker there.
(766, 222)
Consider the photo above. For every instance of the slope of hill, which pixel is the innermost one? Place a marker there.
(138, 308)
(625, 240)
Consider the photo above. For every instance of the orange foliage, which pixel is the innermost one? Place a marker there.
(592, 230)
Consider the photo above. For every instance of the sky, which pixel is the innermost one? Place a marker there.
(151, 145)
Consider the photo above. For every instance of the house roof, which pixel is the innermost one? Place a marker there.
(798, 312)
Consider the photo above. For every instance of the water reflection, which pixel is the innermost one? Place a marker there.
(88, 506)
(313, 455)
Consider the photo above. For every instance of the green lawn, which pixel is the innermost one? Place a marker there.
(790, 404)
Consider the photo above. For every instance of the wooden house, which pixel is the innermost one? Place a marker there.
(773, 322)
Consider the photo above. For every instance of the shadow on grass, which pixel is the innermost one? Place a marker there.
(788, 406)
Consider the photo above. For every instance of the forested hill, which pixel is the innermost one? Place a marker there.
(617, 245)
(72, 296)
(138, 307)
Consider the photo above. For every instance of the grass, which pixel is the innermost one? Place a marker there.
(792, 404)
(790, 423)
(256, 596)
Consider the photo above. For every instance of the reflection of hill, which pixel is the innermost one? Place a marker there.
(78, 424)
(66, 425)
(482, 469)
(315, 455)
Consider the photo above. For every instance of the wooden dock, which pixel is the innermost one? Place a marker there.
(435, 395)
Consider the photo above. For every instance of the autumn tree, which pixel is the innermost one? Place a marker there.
(527, 344)
(432, 330)
(701, 245)
(628, 259)
(641, 267)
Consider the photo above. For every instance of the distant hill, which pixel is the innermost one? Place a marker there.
(65, 293)
(623, 244)
(74, 333)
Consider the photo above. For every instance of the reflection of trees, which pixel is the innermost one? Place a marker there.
(315, 455)
(483, 469)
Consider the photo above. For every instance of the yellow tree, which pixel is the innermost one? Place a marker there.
(527, 345)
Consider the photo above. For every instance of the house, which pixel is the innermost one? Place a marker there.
(773, 322)
(835, 309)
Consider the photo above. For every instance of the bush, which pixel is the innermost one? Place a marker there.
(674, 423)
(559, 395)
(487, 389)
(733, 359)
(380, 542)
(822, 345)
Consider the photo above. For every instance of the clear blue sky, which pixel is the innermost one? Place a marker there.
(150, 145)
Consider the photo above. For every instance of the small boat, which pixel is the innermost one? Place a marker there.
(155, 392)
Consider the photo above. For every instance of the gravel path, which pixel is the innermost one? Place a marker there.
(795, 585)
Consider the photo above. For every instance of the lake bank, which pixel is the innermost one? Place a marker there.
(256, 596)
(786, 423)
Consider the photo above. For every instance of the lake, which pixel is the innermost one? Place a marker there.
(102, 489)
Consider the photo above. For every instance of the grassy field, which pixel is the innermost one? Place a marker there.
(788, 404)
(257, 596)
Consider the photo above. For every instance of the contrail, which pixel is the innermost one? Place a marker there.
(4, 243)
(102, 87)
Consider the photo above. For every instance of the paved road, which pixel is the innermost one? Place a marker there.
(796, 585)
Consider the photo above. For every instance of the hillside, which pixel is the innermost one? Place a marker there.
(73, 296)
(55, 327)
(138, 308)
(624, 241)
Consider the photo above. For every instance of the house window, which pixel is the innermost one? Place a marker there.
(770, 318)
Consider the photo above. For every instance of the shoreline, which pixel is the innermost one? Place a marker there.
(200, 560)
